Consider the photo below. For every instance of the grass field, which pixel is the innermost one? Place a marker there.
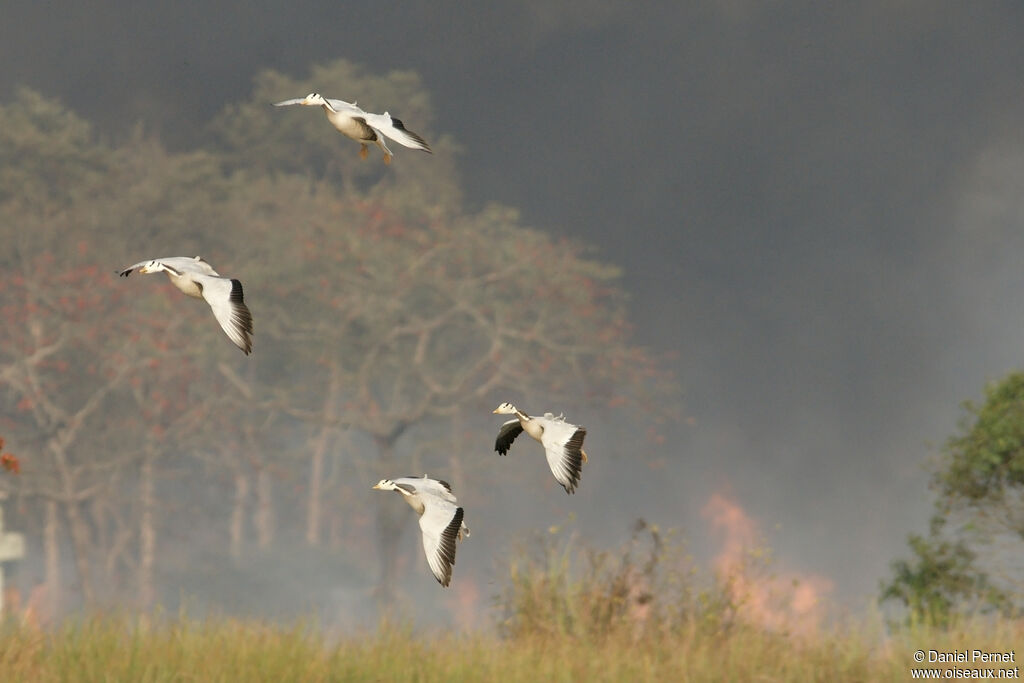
(119, 649)
(638, 613)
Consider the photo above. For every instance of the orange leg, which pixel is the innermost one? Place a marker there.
(584, 454)
(363, 152)
(387, 159)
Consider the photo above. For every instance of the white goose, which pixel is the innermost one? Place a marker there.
(440, 519)
(562, 441)
(198, 279)
(361, 126)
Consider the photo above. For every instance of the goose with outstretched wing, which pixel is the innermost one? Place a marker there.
(363, 127)
(440, 519)
(562, 442)
(197, 278)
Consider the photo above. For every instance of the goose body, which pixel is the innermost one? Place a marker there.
(363, 127)
(197, 278)
(440, 519)
(562, 442)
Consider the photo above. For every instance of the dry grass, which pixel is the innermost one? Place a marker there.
(118, 649)
(565, 614)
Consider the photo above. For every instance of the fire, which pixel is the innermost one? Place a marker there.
(784, 601)
(10, 463)
(467, 602)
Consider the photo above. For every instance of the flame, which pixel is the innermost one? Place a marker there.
(786, 601)
(10, 463)
(467, 602)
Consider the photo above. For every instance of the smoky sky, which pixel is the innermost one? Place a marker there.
(817, 208)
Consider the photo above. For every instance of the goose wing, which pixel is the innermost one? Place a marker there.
(176, 265)
(440, 524)
(226, 299)
(190, 265)
(125, 272)
(339, 105)
(396, 130)
(507, 433)
(435, 487)
(563, 446)
(347, 107)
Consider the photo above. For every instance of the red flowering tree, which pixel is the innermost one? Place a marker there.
(98, 377)
(71, 350)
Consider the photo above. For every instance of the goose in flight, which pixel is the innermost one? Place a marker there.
(440, 519)
(563, 442)
(361, 126)
(197, 278)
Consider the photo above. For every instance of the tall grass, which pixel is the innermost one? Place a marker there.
(647, 587)
(566, 613)
(120, 649)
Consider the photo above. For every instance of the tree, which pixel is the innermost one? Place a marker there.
(983, 474)
(97, 380)
(969, 559)
(61, 373)
(941, 580)
(50, 156)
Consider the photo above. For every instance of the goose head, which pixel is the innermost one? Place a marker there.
(149, 267)
(385, 485)
(505, 409)
(315, 99)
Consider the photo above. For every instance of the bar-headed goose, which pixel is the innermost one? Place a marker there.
(197, 278)
(361, 126)
(440, 519)
(563, 442)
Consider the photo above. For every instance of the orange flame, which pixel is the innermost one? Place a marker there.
(10, 463)
(790, 601)
(466, 607)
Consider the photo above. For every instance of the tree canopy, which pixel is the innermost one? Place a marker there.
(969, 560)
(984, 468)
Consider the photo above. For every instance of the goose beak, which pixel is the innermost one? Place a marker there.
(376, 486)
(495, 411)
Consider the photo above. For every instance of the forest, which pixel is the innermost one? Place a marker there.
(157, 462)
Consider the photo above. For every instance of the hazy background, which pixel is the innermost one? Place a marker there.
(816, 208)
